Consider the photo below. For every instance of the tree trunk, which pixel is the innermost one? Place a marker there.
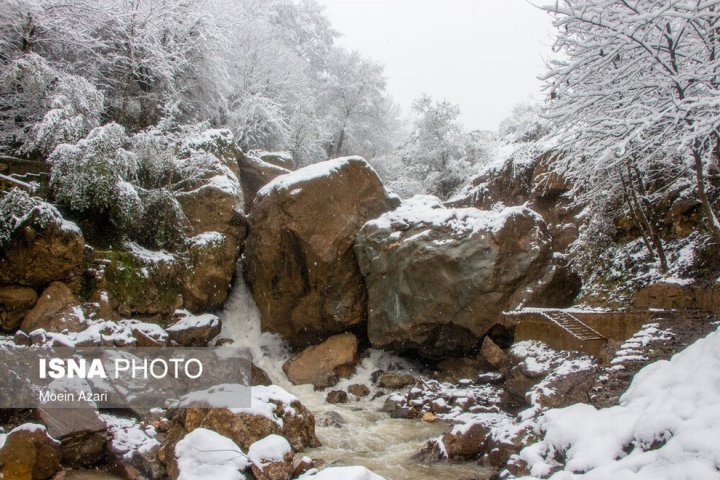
(635, 215)
(340, 141)
(704, 200)
(650, 218)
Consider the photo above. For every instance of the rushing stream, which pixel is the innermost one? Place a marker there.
(356, 433)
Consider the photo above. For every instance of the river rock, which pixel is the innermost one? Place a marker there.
(438, 278)
(318, 365)
(29, 453)
(193, 330)
(271, 458)
(501, 446)
(464, 442)
(255, 174)
(81, 432)
(39, 254)
(305, 464)
(359, 390)
(336, 396)
(15, 303)
(258, 376)
(394, 380)
(299, 260)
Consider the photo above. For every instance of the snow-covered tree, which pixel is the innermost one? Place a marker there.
(438, 155)
(267, 70)
(525, 124)
(635, 86)
(353, 95)
(437, 130)
(94, 175)
(42, 107)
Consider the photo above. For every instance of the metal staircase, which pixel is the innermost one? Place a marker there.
(572, 325)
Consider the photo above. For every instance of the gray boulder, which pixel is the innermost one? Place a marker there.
(439, 278)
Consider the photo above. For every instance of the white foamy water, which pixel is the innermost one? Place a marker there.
(361, 434)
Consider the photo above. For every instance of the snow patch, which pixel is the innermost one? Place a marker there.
(422, 210)
(207, 455)
(341, 473)
(312, 172)
(666, 426)
(272, 448)
(189, 321)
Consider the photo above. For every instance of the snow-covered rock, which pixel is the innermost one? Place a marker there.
(438, 278)
(272, 410)
(272, 458)
(193, 330)
(39, 246)
(133, 448)
(206, 455)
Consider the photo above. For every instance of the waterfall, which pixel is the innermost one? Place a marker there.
(359, 433)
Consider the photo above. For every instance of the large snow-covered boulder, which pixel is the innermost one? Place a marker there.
(150, 282)
(215, 206)
(299, 259)
(439, 278)
(208, 270)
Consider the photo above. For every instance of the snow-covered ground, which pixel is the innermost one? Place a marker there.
(666, 427)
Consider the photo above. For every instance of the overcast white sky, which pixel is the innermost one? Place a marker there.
(484, 55)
